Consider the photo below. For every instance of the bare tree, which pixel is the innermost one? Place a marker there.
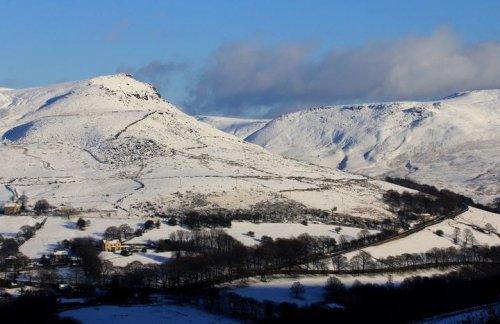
(333, 287)
(23, 201)
(363, 234)
(456, 235)
(125, 231)
(26, 232)
(360, 261)
(496, 203)
(111, 233)
(297, 290)
(489, 228)
(468, 237)
(48, 277)
(107, 269)
(339, 262)
(77, 275)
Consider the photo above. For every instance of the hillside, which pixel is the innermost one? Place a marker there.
(237, 126)
(451, 143)
(114, 145)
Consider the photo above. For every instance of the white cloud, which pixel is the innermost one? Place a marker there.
(243, 77)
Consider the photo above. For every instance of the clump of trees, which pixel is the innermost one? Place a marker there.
(85, 248)
(26, 231)
(199, 241)
(149, 225)
(409, 206)
(39, 306)
(42, 206)
(333, 288)
(447, 194)
(81, 223)
(10, 255)
(196, 220)
(122, 232)
(414, 299)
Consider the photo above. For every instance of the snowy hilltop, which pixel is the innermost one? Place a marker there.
(450, 143)
(113, 145)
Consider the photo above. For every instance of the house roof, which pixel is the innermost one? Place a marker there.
(11, 205)
(111, 241)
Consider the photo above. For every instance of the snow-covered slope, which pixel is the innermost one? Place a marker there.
(112, 144)
(237, 126)
(451, 143)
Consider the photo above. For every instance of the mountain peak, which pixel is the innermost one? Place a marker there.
(126, 84)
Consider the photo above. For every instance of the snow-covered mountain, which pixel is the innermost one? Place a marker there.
(240, 127)
(452, 143)
(113, 144)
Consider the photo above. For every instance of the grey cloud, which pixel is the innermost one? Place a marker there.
(248, 78)
(156, 72)
(159, 73)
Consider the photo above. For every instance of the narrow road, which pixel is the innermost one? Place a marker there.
(401, 235)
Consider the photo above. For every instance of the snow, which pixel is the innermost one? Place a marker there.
(156, 313)
(277, 289)
(239, 231)
(58, 229)
(113, 149)
(426, 239)
(110, 143)
(10, 225)
(143, 257)
(480, 314)
(449, 143)
(237, 126)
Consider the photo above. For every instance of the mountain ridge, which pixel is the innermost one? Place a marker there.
(112, 143)
(449, 143)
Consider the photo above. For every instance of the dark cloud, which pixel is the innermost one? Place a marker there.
(249, 78)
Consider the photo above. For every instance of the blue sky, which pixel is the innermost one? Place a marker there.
(256, 58)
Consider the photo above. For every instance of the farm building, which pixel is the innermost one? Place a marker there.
(12, 208)
(111, 245)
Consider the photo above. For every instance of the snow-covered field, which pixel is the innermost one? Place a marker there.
(451, 143)
(239, 230)
(58, 229)
(156, 313)
(277, 289)
(10, 225)
(427, 239)
(143, 257)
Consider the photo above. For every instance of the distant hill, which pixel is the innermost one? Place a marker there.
(451, 143)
